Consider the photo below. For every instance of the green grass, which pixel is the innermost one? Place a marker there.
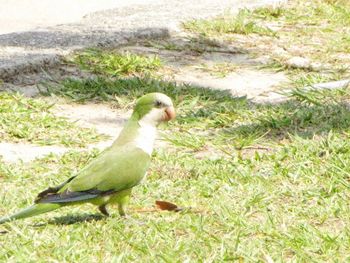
(316, 11)
(303, 79)
(235, 121)
(128, 89)
(228, 24)
(269, 12)
(116, 63)
(317, 30)
(30, 120)
(288, 202)
(261, 182)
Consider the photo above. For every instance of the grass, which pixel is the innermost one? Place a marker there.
(116, 63)
(307, 79)
(228, 24)
(262, 182)
(127, 90)
(30, 120)
(287, 203)
(233, 120)
(317, 30)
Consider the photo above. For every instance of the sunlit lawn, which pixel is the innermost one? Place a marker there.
(257, 182)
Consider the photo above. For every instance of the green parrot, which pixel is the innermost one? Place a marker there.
(110, 177)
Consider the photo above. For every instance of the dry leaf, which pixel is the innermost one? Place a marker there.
(164, 205)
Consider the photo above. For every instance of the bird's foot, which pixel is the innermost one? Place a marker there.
(103, 210)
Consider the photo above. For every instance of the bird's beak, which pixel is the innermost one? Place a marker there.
(170, 113)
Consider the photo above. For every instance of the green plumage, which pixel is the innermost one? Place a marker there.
(108, 178)
(33, 210)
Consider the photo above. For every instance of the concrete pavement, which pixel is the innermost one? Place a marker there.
(23, 15)
(34, 35)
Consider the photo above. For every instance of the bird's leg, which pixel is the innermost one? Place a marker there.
(121, 209)
(103, 210)
(123, 201)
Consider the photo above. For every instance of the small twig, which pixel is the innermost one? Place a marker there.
(154, 209)
(24, 104)
(146, 210)
(257, 148)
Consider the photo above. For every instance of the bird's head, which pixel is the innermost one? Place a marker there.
(154, 108)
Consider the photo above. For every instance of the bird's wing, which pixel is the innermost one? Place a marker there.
(112, 171)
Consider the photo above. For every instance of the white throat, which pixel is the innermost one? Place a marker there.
(147, 132)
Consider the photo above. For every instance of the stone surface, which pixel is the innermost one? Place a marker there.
(12, 152)
(24, 57)
(298, 62)
(37, 48)
(101, 117)
(247, 82)
(246, 78)
(23, 15)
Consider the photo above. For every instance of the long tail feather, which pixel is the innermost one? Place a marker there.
(33, 210)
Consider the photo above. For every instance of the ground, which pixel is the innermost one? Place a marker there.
(259, 163)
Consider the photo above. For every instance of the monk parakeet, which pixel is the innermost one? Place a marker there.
(110, 177)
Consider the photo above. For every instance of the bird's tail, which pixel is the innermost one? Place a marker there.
(33, 210)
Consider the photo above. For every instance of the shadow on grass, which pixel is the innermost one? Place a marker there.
(292, 118)
(74, 219)
(197, 45)
(233, 118)
(66, 220)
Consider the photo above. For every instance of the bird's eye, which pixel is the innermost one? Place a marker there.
(158, 103)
